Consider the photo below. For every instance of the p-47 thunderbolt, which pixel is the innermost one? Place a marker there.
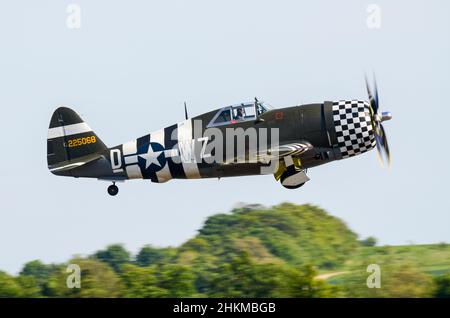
(238, 140)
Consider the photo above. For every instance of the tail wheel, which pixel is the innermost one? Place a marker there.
(113, 190)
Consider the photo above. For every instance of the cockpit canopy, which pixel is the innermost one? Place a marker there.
(238, 113)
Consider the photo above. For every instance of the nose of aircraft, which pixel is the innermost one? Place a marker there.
(386, 116)
(353, 125)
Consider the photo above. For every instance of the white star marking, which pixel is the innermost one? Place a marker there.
(151, 157)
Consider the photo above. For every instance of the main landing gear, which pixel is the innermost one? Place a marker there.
(290, 173)
(113, 189)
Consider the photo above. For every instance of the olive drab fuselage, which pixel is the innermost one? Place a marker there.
(309, 135)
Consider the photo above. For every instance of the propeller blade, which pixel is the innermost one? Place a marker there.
(376, 95)
(369, 92)
(379, 143)
(385, 145)
(376, 118)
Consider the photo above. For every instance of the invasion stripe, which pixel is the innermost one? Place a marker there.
(176, 169)
(187, 151)
(134, 172)
(129, 148)
(68, 130)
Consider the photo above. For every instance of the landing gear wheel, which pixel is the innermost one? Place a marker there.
(293, 187)
(293, 178)
(113, 189)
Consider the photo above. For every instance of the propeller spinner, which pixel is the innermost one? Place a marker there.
(377, 118)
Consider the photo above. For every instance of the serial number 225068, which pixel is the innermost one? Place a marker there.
(81, 141)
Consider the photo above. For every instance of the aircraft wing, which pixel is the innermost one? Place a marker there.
(285, 150)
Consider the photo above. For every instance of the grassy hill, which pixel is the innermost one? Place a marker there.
(283, 251)
(432, 259)
(406, 271)
(286, 233)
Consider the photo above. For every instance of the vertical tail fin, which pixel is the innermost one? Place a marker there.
(69, 139)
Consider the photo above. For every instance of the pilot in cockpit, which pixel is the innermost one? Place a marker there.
(239, 114)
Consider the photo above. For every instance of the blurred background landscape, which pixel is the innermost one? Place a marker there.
(286, 250)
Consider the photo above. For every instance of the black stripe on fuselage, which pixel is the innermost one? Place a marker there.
(176, 169)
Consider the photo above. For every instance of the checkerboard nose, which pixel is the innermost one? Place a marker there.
(353, 125)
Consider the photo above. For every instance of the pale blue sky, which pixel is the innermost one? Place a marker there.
(133, 63)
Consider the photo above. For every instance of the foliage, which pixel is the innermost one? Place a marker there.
(369, 241)
(39, 273)
(9, 287)
(115, 255)
(251, 252)
(298, 235)
(245, 278)
(178, 280)
(397, 280)
(97, 280)
(442, 286)
(149, 255)
(141, 282)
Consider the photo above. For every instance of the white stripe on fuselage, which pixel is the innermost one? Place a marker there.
(133, 172)
(68, 130)
(130, 148)
(186, 149)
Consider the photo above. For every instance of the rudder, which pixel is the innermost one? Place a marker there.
(69, 139)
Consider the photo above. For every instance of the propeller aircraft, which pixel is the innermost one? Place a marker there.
(301, 137)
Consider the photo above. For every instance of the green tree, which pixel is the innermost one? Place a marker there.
(242, 277)
(40, 272)
(141, 282)
(179, 280)
(369, 241)
(114, 255)
(97, 280)
(397, 280)
(149, 255)
(302, 283)
(9, 287)
(29, 285)
(295, 234)
(442, 283)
